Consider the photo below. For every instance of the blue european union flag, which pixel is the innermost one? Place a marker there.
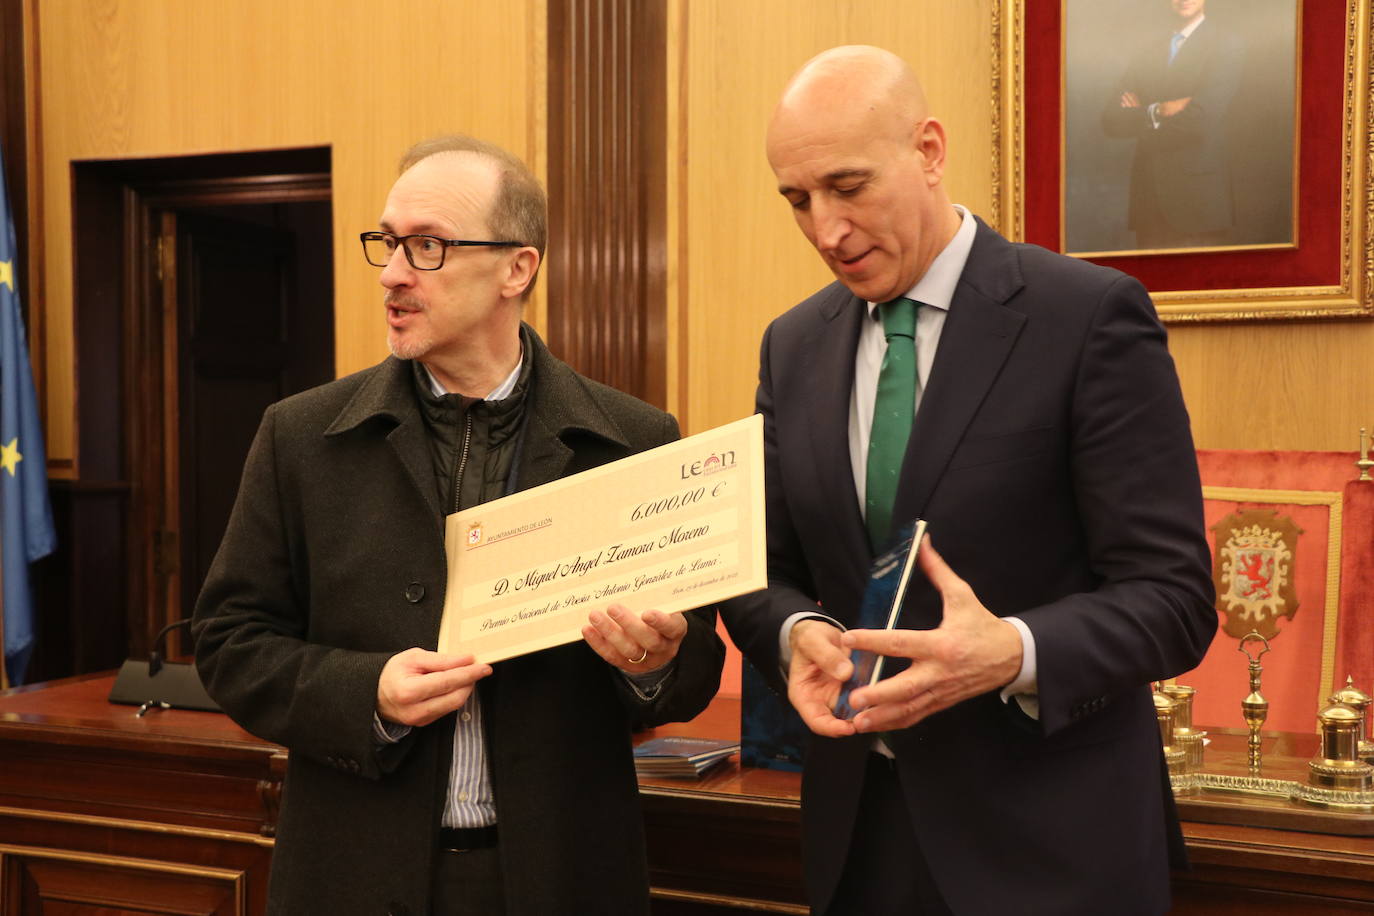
(27, 517)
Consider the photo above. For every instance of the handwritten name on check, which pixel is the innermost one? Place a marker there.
(673, 528)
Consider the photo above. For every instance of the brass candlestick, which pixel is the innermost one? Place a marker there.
(1365, 462)
(1254, 707)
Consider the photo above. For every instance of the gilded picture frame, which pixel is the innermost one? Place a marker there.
(1327, 274)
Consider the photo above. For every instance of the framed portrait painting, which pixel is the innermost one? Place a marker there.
(1218, 150)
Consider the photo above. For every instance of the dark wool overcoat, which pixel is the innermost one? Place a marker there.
(333, 561)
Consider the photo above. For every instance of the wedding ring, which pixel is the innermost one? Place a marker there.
(636, 661)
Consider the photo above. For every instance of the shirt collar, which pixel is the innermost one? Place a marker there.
(1189, 29)
(499, 393)
(936, 287)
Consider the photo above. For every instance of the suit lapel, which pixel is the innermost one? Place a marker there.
(828, 386)
(1193, 54)
(1194, 50)
(978, 335)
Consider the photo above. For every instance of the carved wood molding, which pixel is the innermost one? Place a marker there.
(607, 176)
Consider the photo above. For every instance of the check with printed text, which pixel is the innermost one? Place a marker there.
(674, 528)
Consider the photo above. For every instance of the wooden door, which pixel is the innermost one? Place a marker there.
(234, 288)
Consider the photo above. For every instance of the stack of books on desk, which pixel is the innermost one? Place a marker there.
(681, 757)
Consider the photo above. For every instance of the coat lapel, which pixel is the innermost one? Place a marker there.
(543, 455)
(389, 393)
(559, 405)
(978, 335)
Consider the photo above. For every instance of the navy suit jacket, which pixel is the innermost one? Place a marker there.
(1052, 457)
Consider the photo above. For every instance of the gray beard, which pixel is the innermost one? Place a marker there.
(411, 347)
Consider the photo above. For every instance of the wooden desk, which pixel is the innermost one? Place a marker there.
(173, 813)
(169, 813)
(730, 843)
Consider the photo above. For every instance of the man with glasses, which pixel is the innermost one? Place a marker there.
(421, 782)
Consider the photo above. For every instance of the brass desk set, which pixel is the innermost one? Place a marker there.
(1340, 775)
(1330, 792)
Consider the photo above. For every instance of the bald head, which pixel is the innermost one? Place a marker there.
(859, 86)
(861, 161)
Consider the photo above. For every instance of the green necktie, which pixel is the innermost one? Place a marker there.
(894, 408)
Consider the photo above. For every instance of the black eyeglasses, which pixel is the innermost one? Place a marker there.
(424, 252)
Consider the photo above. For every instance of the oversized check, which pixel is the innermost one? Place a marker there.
(673, 528)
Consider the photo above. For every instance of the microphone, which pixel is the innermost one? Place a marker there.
(158, 683)
(154, 657)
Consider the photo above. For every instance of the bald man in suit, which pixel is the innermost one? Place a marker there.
(1010, 762)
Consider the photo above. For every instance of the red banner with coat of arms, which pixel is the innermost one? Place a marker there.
(1292, 537)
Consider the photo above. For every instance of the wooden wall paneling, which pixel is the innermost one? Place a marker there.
(607, 191)
(1305, 385)
(14, 129)
(675, 317)
(746, 260)
(536, 145)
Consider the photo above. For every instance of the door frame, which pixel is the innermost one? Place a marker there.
(127, 378)
(153, 355)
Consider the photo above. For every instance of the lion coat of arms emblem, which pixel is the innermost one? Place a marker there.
(1253, 570)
